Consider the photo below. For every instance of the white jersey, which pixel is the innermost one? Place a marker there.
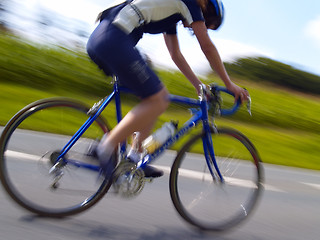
(156, 16)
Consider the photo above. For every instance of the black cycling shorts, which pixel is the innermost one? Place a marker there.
(114, 52)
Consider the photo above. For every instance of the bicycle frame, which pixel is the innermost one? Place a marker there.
(200, 114)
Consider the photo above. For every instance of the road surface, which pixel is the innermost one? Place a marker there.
(288, 210)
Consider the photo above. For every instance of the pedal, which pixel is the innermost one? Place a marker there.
(148, 180)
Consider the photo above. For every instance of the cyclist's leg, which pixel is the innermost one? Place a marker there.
(116, 50)
(141, 118)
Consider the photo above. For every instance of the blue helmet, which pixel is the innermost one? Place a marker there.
(213, 14)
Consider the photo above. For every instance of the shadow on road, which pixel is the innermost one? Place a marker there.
(80, 229)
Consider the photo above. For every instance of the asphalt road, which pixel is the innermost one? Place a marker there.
(288, 210)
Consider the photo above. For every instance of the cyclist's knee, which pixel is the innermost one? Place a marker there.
(160, 99)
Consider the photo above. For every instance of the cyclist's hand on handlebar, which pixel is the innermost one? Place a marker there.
(239, 92)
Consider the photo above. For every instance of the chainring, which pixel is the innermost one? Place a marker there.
(128, 181)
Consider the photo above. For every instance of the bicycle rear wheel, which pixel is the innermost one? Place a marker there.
(205, 201)
(29, 146)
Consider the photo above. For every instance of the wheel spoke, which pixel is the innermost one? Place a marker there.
(210, 204)
(29, 151)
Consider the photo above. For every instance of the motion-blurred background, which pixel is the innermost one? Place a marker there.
(269, 47)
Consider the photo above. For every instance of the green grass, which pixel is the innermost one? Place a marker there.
(285, 125)
(276, 145)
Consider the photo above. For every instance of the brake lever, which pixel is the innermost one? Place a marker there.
(249, 106)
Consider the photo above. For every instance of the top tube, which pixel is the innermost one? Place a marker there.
(196, 102)
(184, 100)
(193, 102)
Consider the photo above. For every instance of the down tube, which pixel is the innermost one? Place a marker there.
(209, 154)
(84, 127)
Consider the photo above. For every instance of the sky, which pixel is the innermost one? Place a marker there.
(284, 30)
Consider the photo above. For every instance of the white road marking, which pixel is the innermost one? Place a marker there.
(166, 169)
(314, 185)
(207, 177)
(23, 156)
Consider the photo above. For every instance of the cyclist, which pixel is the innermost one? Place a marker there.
(112, 47)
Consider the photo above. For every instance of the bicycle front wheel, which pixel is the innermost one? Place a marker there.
(29, 146)
(204, 200)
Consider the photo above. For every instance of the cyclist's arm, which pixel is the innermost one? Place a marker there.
(172, 43)
(211, 53)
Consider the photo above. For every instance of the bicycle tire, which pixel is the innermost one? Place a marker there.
(208, 203)
(28, 141)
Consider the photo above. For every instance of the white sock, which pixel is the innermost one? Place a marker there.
(134, 156)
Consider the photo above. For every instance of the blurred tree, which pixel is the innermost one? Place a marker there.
(265, 69)
(3, 11)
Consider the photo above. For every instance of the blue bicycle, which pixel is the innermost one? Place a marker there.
(215, 181)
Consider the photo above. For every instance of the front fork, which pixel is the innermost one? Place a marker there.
(210, 156)
(207, 139)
